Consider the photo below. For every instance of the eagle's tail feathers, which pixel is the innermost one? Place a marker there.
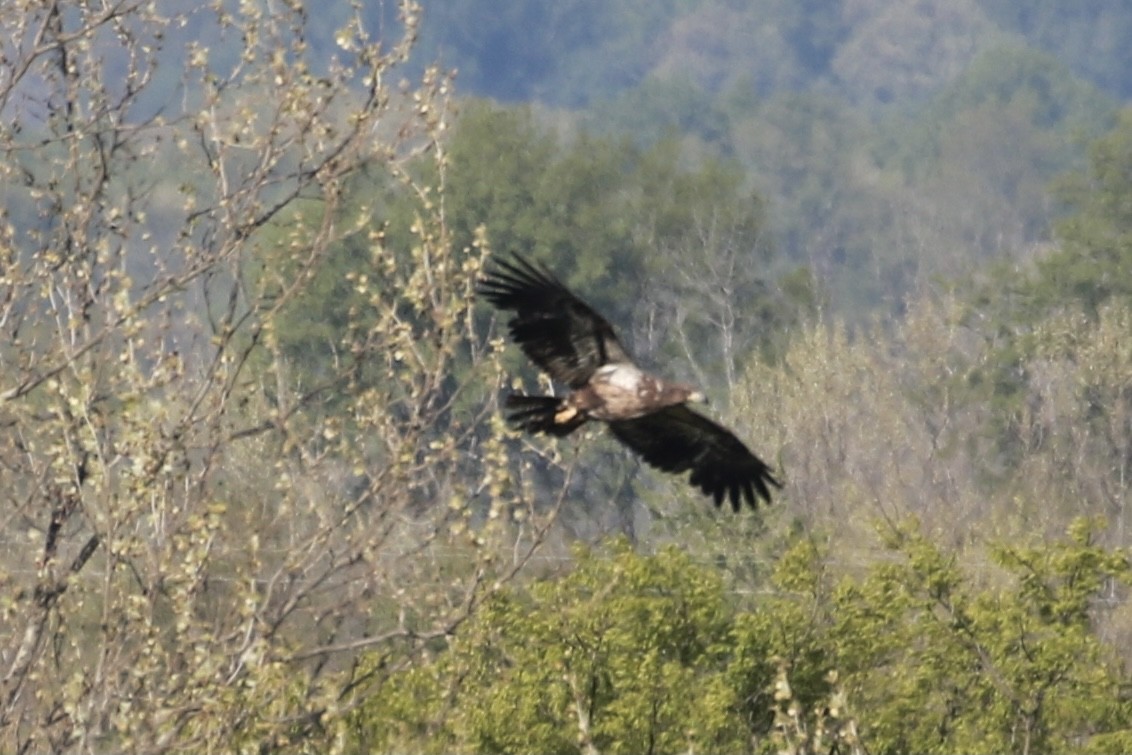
(542, 414)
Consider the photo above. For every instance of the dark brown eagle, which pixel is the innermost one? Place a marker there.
(576, 346)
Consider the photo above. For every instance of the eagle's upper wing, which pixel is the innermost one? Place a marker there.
(559, 332)
(676, 439)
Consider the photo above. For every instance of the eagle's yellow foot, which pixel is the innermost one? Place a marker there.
(565, 415)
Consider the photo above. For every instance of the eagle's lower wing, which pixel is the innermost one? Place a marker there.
(677, 439)
(557, 331)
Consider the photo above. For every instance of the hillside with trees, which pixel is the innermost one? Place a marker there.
(259, 493)
(877, 132)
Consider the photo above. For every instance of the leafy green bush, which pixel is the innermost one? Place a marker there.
(634, 653)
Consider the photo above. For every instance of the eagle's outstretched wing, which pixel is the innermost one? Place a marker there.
(557, 331)
(677, 439)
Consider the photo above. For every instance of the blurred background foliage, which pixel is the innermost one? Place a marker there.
(891, 239)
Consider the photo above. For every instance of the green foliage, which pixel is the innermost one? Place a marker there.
(990, 662)
(779, 642)
(900, 54)
(1092, 261)
(197, 542)
(623, 654)
(1017, 311)
(561, 53)
(1009, 74)
(1095, 259)
(648, 238)
(661, 108)
(557, 202)
(1084, 36)
(937, 655)
(710, 296)
(924, 653)
(582, 52)
(259, 497)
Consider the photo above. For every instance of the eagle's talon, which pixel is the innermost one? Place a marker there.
(562, 416)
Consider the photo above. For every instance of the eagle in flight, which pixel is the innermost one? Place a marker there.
(576, 346)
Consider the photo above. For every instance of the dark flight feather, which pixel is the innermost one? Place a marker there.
(557, 331)
(676, 439)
